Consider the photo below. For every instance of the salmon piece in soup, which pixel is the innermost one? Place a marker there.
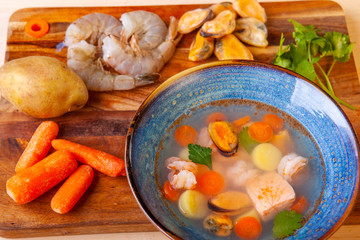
(270, 194)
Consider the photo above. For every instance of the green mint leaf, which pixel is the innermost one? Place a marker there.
(286, 223)
(199, 154)
(246, 141)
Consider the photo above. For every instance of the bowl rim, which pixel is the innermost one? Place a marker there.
(169, 81)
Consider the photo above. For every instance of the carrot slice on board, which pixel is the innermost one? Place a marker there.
(101, 161)
(39, 145)
(37, 27)
(72, 189)
(32, 182)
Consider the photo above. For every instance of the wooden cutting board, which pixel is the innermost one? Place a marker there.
(109, 206)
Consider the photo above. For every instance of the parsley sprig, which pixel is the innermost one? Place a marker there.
(286, 223)
(309, 48)
(199, 154)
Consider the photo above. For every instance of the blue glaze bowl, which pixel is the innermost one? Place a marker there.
(336, 157)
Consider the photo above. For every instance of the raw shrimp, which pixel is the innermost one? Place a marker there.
(92, 28)
(141, 50)
(84, 39)
(83, 60)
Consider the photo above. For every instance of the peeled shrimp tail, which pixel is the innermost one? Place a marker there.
(82, 59)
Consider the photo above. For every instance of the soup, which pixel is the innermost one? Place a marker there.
(232, 168)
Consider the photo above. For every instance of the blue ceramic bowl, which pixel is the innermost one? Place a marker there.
(258, 87)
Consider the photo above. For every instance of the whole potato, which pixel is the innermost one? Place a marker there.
(42, 87)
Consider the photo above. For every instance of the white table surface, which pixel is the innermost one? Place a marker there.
(7, 7)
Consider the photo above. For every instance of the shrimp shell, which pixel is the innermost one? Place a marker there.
(92, 28)
(147, 27)
(82, 59)
(131, 59)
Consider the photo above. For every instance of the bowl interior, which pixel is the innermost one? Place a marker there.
(255, 87)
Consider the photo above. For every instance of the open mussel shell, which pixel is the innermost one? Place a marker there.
(230, 203)
(223, 136)
(222, 24)
(230, 47)
(201, 48)
(193, 19)
(251, 31)
(220, 225)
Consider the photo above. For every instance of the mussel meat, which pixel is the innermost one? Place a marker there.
(223, 136)
(193, 19)
(222, 24)
(230, 47)
(201, 48)
(251, 31)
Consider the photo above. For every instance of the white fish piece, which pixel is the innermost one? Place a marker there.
(240, 173)
(290, 165)
(204, 138)
(270, 194)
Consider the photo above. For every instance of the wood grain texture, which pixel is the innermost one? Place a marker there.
(108, 206)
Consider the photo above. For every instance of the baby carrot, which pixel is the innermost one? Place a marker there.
(241, 121)
(32, 182)
(260, 132)
(37, 27)
(101, 161)
(170, 193)
(185, 135)
(210, 183)
(274, 121)
(38, 146)
(215, 117)
(248, 228)
(72, 189)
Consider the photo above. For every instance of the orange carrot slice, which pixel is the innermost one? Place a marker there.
(274, 121)
(214, 117)
(241, 121)
(101, 161)
(260, 132)
(72, 189)
(301, 205)
(37, 27)
(211, 183)
(34, 181)
(38, 146)
(248, 228)
(185, 135)
(170, 193)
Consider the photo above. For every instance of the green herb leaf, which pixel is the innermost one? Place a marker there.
(341, 47)
(199, 154)
(309, 48)
(286, 223)
(246, 141)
